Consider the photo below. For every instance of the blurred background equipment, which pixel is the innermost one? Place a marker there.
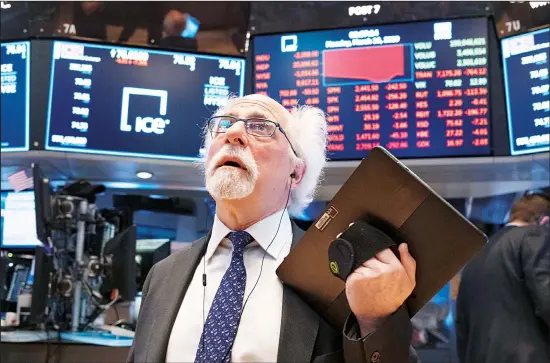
(216, 28)
(84, 259)
(148, 253)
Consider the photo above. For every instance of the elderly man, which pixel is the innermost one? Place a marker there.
(220, 300)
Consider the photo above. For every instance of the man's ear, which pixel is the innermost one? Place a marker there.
(544, 220)
(299, 172)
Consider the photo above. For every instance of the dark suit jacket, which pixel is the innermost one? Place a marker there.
(503, 304)
(305, 336)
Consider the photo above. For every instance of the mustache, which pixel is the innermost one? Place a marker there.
(244, 156)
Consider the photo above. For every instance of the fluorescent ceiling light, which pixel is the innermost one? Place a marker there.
(144, 175)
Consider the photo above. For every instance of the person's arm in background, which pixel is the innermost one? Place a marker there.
(144, 291)
(88, 7)
(535, 261)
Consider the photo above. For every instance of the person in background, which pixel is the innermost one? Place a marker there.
(503, 303)
(173, 27)
(89, 19)
(221, 300)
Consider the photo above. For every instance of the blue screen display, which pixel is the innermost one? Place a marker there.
(15, 61)
(525, 59)
(135, 101)
(418, 89)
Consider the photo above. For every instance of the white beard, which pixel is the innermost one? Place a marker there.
(229, 182)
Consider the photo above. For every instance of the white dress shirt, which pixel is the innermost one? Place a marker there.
(257, 338)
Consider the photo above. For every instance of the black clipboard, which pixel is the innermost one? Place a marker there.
(384, 192)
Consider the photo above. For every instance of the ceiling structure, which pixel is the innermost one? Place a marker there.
(449, 177)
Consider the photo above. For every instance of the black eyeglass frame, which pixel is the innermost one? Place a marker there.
(245, 120)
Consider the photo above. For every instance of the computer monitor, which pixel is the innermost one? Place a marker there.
(14, 276)
(133, 101)
(418, 89)
(525, 65)
(148, 253)
(121, 252)
(19, 279)
(40, 277)
(18, 218)
(15, 106)
(43, 204)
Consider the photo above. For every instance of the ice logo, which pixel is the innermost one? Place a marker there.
(443, 31)
(148, 124)
(289, 43)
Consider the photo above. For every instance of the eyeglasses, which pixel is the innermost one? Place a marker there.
(255, 126)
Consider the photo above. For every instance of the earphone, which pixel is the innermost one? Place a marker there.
(292, 176)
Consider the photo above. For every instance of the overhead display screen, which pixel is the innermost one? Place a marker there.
(134, 101)
(525, 59)
(418, 89)
(15, 74)
(18, 221)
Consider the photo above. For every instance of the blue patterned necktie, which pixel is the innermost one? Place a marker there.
(223, 318)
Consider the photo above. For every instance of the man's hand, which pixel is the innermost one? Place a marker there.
(380, 286)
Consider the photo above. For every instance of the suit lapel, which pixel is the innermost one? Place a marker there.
(174, 289)
(300, 323)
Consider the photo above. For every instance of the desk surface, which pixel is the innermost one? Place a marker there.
(95, 338)
(61, 352)
(26, 336)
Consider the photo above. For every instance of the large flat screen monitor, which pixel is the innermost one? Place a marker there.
(18, 222)
(525, 60)
(116, 100)
(14, 101)
(418, 89)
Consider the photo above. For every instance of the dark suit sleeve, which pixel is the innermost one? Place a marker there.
(390, 343)
(461, 325)
(144, 292)
(535, 261)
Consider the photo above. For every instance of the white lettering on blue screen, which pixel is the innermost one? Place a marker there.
(360, 38)
(185, 60)
(70, 140)
(83, 82)
(232, 65)
(81, 111)
(80, 96)
(83, 68)
(216, 92)
(145, 124)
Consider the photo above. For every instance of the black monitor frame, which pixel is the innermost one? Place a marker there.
(506, 143)
(43, 269)
(122, 269)
(498, 125)
(42, 205)
(150, 258)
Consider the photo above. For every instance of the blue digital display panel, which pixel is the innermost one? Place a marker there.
(15, 63)
(135, 101)
(527, 86)
(418, 89)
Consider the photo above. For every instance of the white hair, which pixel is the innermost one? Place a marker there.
(307, 132)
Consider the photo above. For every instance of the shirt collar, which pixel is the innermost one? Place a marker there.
(262, 232)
